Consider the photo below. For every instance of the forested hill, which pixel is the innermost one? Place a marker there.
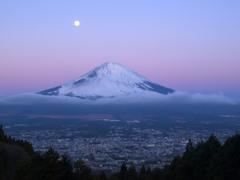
(12, 153)
(208, 160)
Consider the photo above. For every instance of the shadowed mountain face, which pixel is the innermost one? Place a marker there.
(108, 81)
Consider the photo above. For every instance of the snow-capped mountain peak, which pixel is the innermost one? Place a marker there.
(108, 80)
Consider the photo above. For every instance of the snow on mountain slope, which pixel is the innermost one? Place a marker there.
(108, 81)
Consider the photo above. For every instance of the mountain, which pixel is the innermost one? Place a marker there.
(108, 80)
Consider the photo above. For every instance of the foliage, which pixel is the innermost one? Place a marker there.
(24, 144)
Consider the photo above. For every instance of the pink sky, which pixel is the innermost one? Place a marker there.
(192, 47)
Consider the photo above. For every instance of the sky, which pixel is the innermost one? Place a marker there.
(191, 46)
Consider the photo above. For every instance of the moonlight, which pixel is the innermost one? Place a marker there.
(76, 23)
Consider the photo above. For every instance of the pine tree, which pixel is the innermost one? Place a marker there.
(189, 147)
(123, 172)
(102, 176)
(2, 134)
(142, 173)
(81, 171)
(132, 173)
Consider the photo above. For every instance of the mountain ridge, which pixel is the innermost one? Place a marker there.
(108, 80)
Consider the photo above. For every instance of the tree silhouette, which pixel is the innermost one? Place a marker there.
(81, 171)
(123, 172)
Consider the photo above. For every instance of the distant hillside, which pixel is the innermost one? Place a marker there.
(11, 157)
(12, 154)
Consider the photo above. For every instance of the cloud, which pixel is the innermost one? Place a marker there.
(175, 98)
(182, 97)
(36, 99)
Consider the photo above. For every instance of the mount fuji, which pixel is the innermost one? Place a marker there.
(109, 80)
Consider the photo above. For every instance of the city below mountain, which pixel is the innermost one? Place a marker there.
(110, 80)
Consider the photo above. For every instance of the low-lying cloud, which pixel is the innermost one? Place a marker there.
(175, 98)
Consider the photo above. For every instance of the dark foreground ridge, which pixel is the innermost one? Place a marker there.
(208, 160)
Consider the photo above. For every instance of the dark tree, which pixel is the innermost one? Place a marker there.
(142, 173)
(189, 147)
(66, 168)
(132, 173)
(2, 134)
(81, 171)
(148, 170)
(123, 172)
(102, 176)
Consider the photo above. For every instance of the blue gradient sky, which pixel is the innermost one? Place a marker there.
(191, 46)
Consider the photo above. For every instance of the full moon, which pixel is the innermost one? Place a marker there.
(76, 23)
